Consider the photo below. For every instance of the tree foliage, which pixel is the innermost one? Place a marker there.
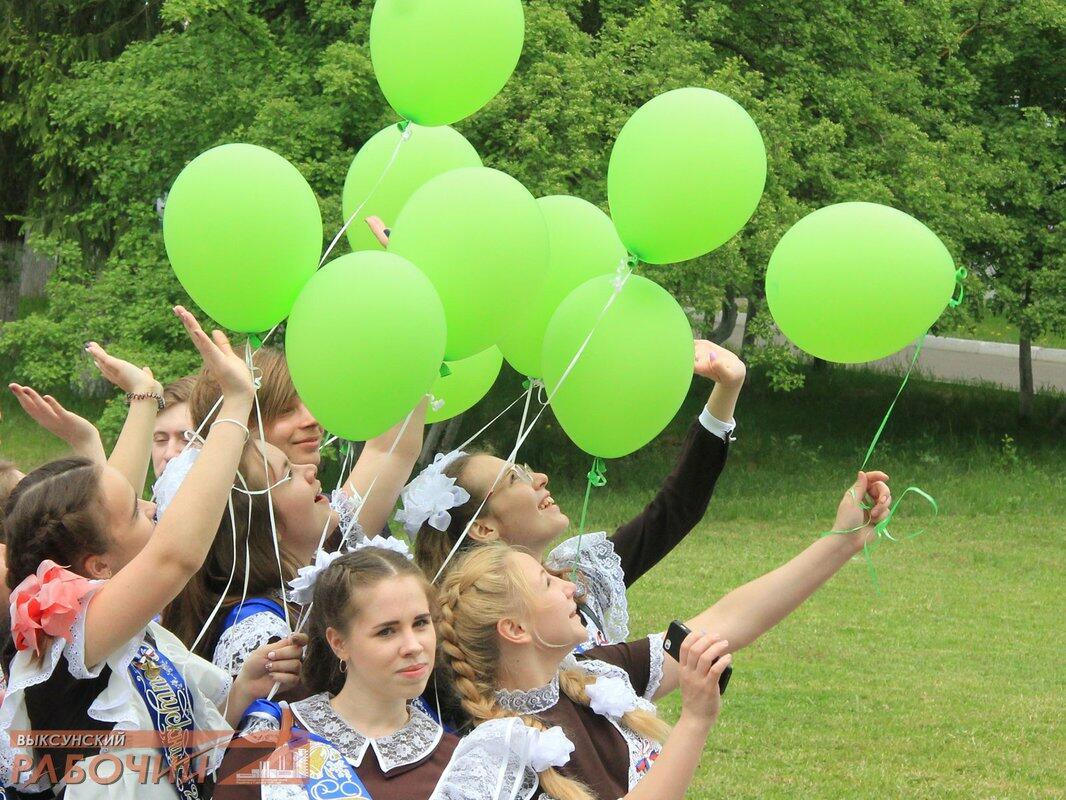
(947, 109)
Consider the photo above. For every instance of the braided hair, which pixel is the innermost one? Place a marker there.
(55, 513)
(482, 588)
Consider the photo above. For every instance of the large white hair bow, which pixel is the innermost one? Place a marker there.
(431, 496)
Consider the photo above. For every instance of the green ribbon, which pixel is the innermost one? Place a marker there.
(445, 370)
(881, 531)
(596, 477)
(892, 405)
(960, 276)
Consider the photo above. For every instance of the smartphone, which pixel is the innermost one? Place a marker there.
(675, 635)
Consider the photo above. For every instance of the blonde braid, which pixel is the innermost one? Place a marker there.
(479, 590)
(574, 683)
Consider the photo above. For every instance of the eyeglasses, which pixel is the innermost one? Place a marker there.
(522, 472)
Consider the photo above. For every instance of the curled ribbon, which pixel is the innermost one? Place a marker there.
(960, 276)
(596, 477)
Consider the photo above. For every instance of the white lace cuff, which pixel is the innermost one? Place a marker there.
(723, 430)
(238, 641)
(655, 668)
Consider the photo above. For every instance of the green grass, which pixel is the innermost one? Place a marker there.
(28, 445)
(950, 684)
(998, 329)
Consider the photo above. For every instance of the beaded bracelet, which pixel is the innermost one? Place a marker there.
(131, 396)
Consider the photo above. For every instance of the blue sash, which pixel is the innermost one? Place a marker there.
(170, 706)
(329, 775)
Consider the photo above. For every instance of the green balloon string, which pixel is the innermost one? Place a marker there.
(960, 276)
(884, 421)
(596, 477)
(881, 529)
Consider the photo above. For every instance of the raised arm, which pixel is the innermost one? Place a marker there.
(78, 432)
(388, 471)
(703, 659)
(133, 450)
(682, 499)
(746, 613)
(136, 593)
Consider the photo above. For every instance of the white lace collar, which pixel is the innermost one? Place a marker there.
(410, 744)
(532, 701)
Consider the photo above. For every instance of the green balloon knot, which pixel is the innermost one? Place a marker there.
(632, 261)
(403, 124)
(445, 370)
(256, 340)
(597, 475)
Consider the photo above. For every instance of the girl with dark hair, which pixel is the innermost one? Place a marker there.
(371, 651)
(89, 570)
(242, 562)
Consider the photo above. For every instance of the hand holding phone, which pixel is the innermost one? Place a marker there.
(675, 635)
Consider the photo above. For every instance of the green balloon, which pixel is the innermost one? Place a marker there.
(635, 372)
(383, 189)
(243, 233)
(437, 62)
(469, 381)
(364, 342)
(686, 174)
(480, 237)
(856, 282)
(583, 244)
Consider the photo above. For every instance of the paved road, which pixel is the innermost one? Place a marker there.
(962, 360)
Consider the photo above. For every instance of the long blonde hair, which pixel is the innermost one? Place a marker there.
(482, 588)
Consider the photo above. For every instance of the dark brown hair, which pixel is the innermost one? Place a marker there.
(7, 486)
(431, 545)
(251, 516)
(277, 395)
(336, 602)
(55, 513)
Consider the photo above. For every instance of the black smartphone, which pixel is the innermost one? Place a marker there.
(675, 635)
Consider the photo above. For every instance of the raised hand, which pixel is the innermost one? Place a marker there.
(76, 431)
(377, 227)
(718, 364)
(226, 367)
(871, 489)
(704, 658)
(123, 374)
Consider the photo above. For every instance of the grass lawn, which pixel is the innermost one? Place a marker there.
(950, 683)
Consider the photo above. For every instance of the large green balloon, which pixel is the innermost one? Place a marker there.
(469, 381)
(427, 153)
(437, 62)
(364, 342)
(633, 375)
(686, 174)
(480, 237)
(583, 244)
(243, 232)
(856, 282)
